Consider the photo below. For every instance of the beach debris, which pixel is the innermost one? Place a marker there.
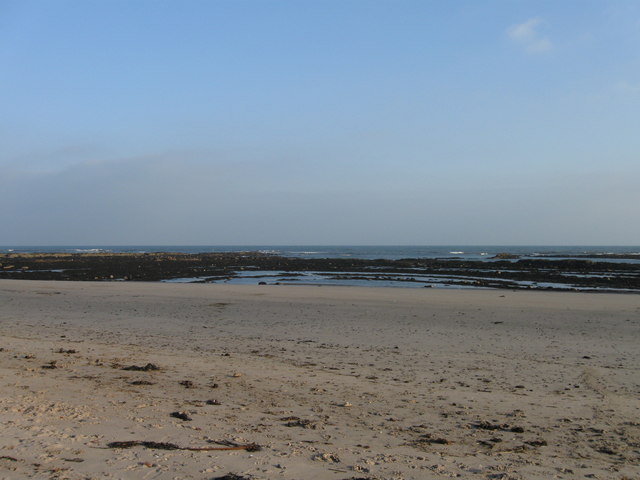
(428, 439)
(505, 427)
(299, 422)
(250, 447)
(181, 415)
(187, 383)
(236, 375)
(606, 450)
(7, 457)
(135, 443)
(491, 442)
(568, 470)
(345, 404)
(62, 350)
(213, 402)
(142, 382)
(29, 356)
(537, 443)
(516, 449)
(326, 457)
(148, 367)
(232, 476)
(50, 366)
(75, 460)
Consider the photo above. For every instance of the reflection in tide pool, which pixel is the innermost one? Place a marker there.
(375, 279)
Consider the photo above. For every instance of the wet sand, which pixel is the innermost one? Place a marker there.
(331, 382)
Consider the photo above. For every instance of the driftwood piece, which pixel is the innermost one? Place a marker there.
(251, 447)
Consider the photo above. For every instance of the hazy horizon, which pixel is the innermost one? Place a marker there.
(320, 123)
(372, 245)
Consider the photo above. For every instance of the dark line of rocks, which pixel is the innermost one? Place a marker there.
(164, 266)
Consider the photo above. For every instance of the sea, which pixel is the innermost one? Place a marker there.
(390, 252)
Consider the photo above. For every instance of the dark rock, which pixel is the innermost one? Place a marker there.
(181, 415)
(147, 368)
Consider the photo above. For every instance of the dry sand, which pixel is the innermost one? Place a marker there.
(332, 383)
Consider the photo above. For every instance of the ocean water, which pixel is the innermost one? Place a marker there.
(391, 252)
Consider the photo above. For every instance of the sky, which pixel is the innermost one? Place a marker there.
(369, 122)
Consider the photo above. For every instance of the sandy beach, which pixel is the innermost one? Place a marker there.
(330, 382)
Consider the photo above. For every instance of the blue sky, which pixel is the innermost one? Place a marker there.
(335, 122)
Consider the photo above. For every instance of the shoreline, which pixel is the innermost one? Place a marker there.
(254, 267)
(332, 382)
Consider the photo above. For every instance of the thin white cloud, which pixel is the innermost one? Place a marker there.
(527, 34)
(627, 88)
